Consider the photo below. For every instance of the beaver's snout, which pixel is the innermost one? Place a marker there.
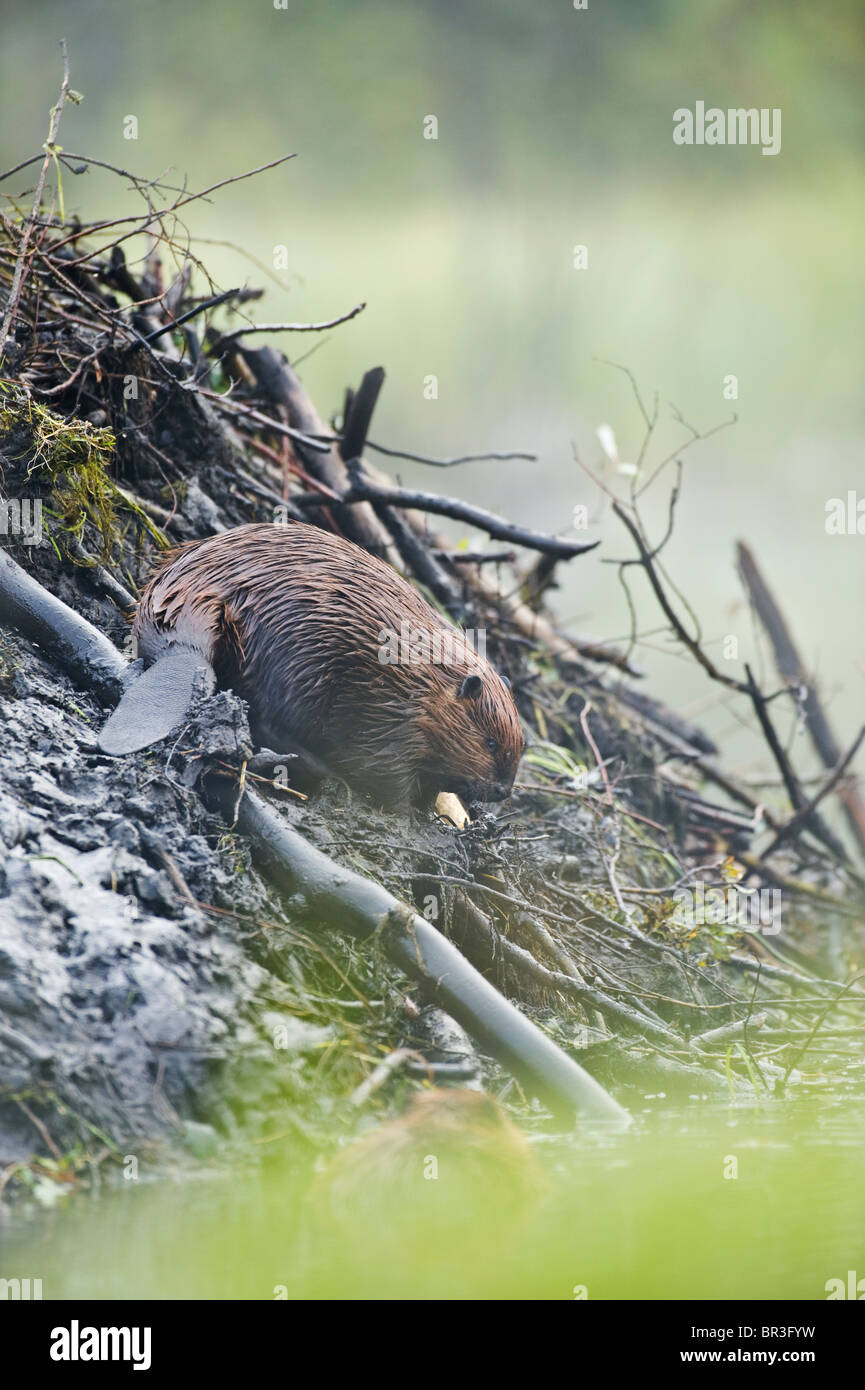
(482, 791)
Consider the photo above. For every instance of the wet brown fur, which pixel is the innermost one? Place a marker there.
(294, 618)
(481, 1155)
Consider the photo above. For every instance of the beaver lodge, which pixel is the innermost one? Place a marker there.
(194, 951)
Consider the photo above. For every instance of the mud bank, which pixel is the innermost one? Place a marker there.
(125, 1009)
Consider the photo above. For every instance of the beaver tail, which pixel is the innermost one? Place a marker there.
(183, 638)
(179, 651)
(156, 702)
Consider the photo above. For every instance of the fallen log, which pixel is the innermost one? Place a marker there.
(367, 910)
(81, 649)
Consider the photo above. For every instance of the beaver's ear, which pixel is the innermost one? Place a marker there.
(506, 683)
(470, 688)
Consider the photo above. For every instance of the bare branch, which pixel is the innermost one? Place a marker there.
(17, 278)
(292, 327)
(459, 511)
(448, 463)
(804, 814)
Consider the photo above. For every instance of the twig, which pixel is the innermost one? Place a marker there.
(794, 791)
(18, 275)
(448, 463)
(791, 668)
(814, 1031)
(589, 737)
(159, 213)
(292, 327)
(693, 646)
(459, 511)
(224, 403)
(804, 814)
(37, 1124)
(379, 1075)
(191, 314)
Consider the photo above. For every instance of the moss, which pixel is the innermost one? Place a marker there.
(73, 458)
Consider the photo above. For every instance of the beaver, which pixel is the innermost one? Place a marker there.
(479, 1154)
(303, 625)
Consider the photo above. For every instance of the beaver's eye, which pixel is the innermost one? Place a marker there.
(492, 744)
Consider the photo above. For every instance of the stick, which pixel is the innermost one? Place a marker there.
(790, 666)
(417, 557)
(681, 632)
(282, 384)
(192, 313)
(477, 557)
(804, 814)
(18, 276)
(292, 327)
(791, 782)
(448, 463)
(460, 511)
(424, 563)
(365, 909)
(235, 408)
(79, 646)
(379, 1075)
(358, 414)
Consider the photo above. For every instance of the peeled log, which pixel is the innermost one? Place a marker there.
(364, 909)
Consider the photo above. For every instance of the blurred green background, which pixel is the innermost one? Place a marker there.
(554, 128)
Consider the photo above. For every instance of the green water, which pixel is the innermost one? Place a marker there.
(652, 1214)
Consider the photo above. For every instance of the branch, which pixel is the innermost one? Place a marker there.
(803, 815)
(790, 666)
(647, 560)
(292, 327)
(448, 463)
(477, 557)
(363, 909)
(157, 214)
(794, 791)
(225, 403)
(360, 491)
(18, 276)
(192, 313)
